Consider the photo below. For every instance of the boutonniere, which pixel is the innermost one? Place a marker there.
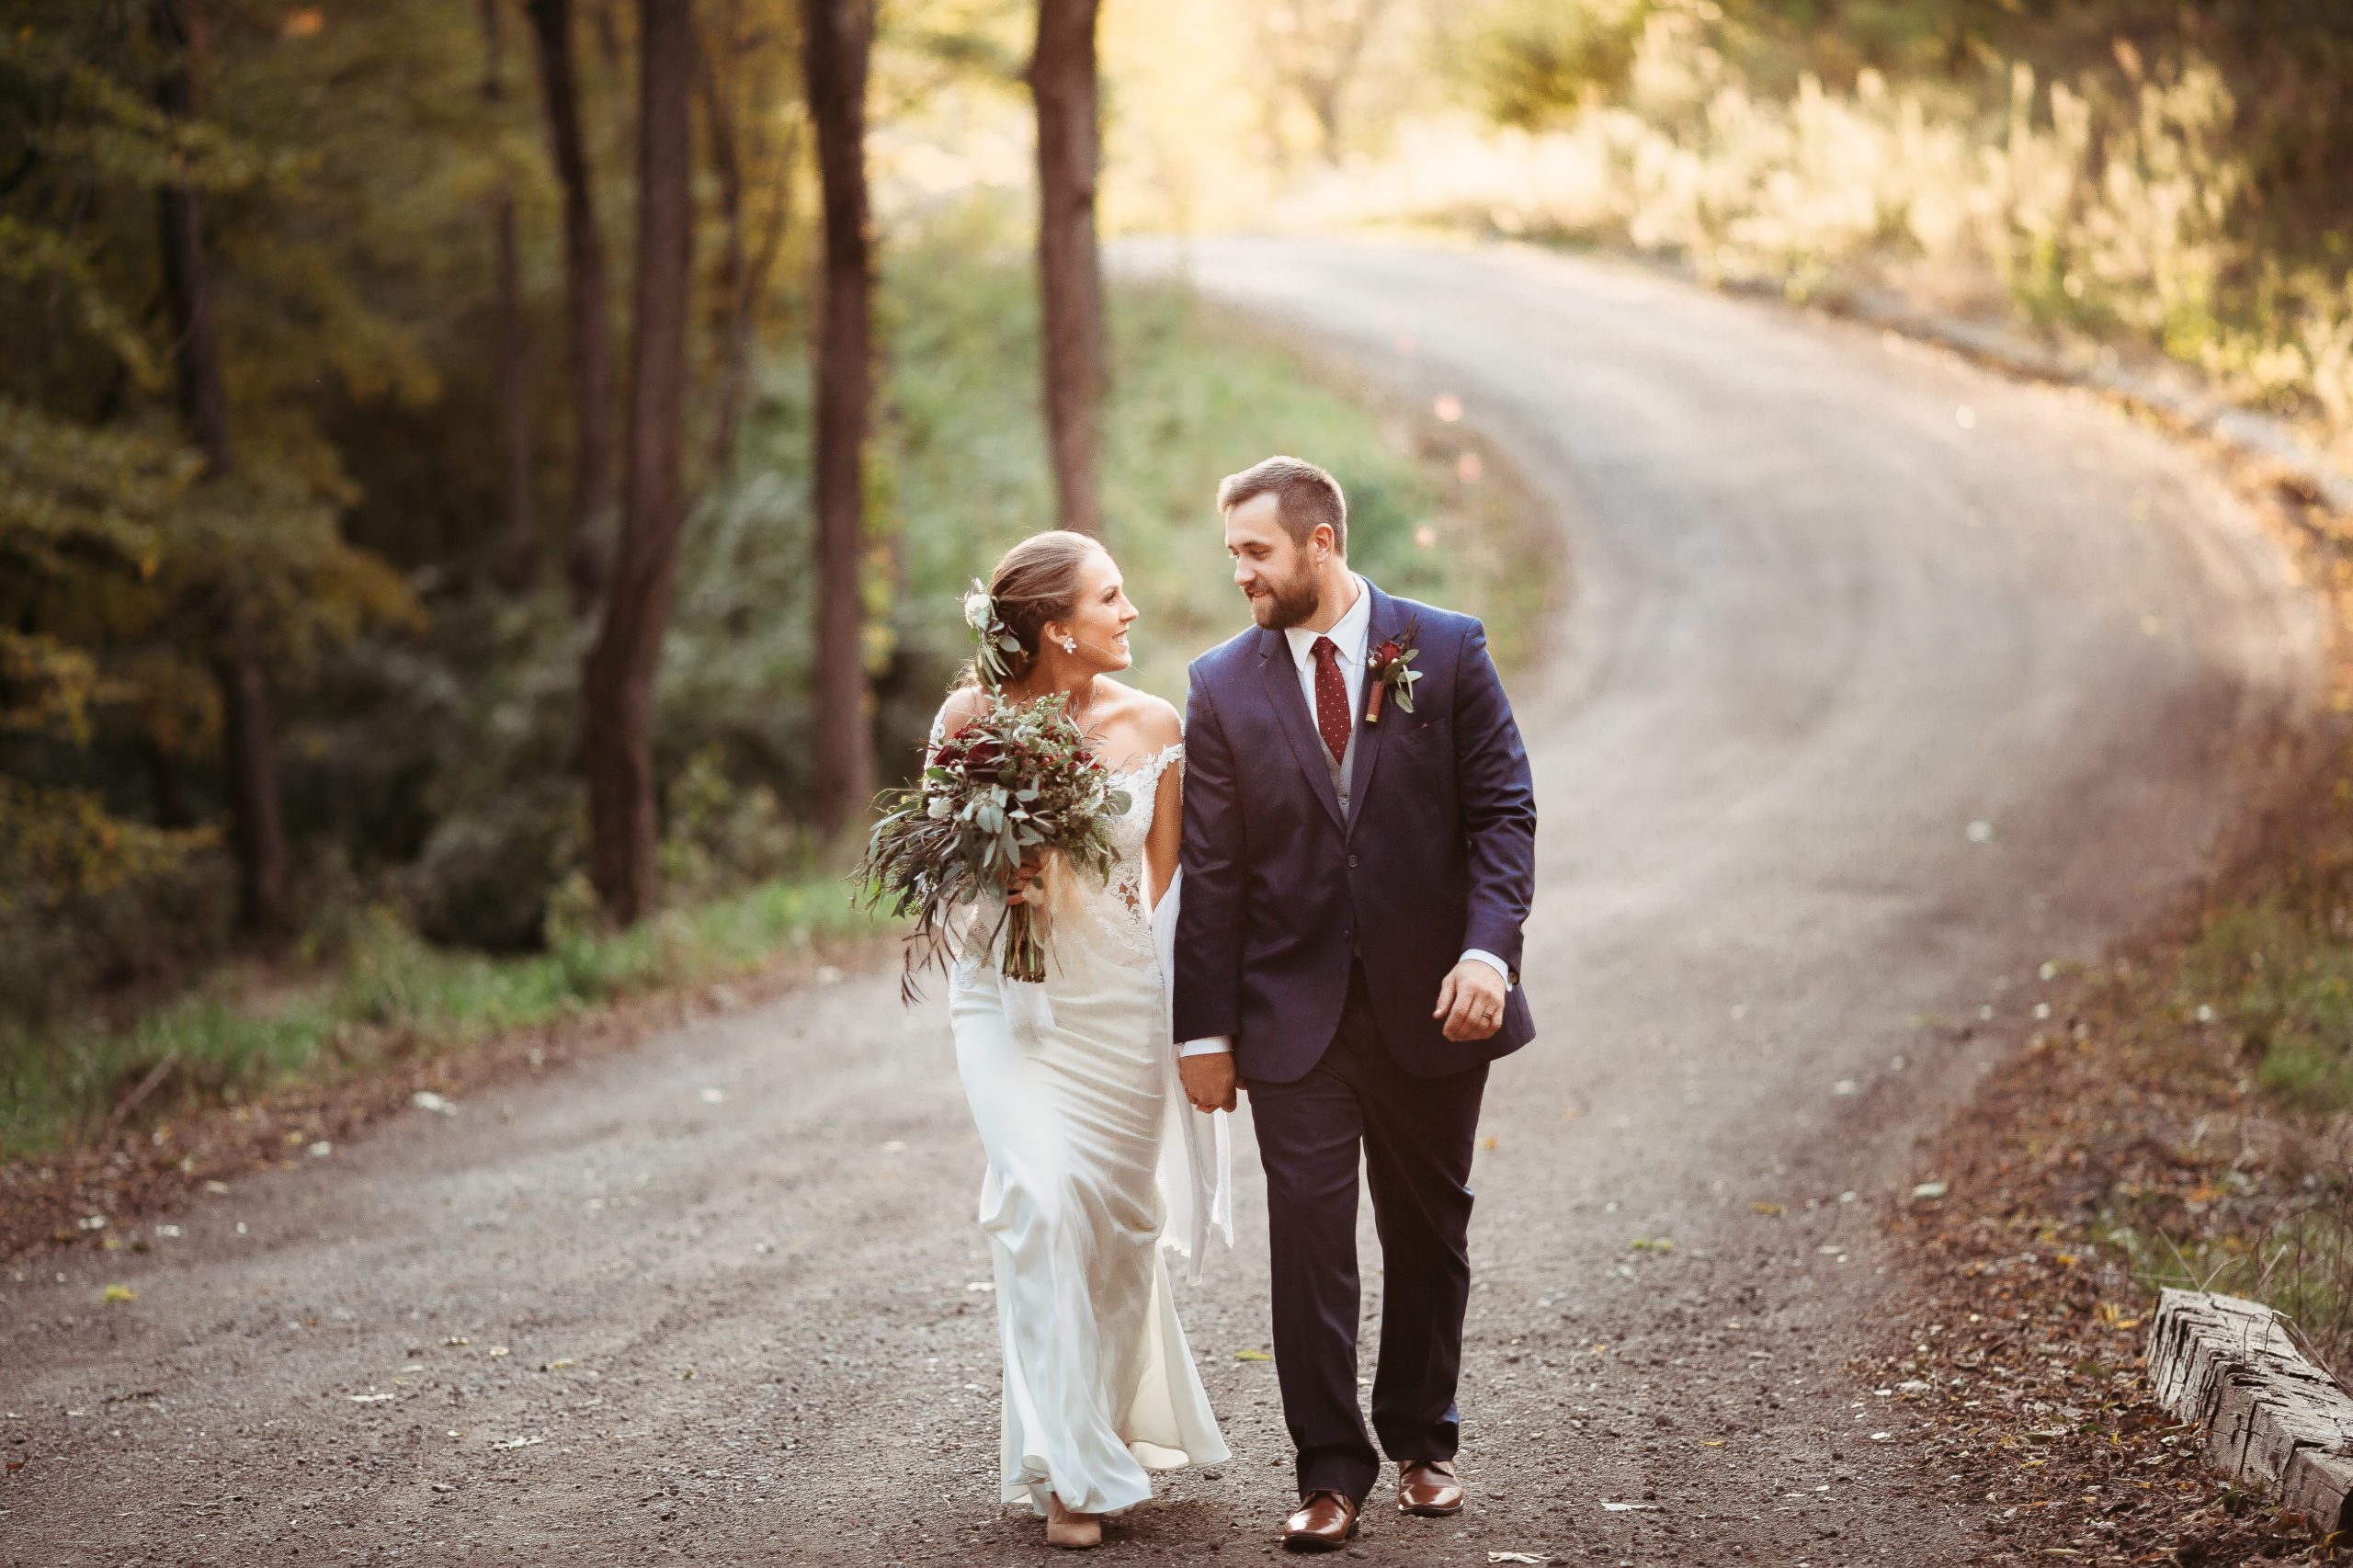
(1392, 668)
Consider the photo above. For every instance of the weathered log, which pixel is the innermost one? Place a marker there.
(2264, 1413)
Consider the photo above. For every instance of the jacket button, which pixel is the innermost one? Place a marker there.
(1352, 862)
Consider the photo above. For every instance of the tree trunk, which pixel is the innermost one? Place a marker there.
(1326, 86)
(256, 822)
(249, 754)
(727, 169)
(1062, 80)
(837, 38)
(519, 555)
(617, 687)
(587, 315)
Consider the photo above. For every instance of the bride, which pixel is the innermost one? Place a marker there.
(1094, 1159)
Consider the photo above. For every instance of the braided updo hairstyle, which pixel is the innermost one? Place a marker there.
(1035, 581)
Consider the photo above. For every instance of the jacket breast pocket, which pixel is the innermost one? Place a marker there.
(1427, 737)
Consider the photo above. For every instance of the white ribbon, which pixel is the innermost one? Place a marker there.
(1027, 1010)
(1195, 1151)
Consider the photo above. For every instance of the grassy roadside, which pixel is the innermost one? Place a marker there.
(2184, 1117)
(389, 996)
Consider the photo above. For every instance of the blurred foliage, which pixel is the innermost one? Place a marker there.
(1530, 63)
(114, 561)
(2137, 173)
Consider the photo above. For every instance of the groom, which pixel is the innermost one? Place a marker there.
(1347, 949)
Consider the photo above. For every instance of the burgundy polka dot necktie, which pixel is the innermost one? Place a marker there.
(1331, 697)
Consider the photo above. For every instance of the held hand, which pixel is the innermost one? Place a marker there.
(1209, 1080)
(1471, 1001)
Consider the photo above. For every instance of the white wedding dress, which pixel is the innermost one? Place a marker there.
(1095, 1160)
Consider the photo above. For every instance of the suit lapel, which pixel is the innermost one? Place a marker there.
(1281, 677)
(1385, 622)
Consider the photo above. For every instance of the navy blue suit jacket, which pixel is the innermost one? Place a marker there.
(1438, 855)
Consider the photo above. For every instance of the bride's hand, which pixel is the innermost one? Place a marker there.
(1016, 886)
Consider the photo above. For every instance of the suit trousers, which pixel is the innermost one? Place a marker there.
(1414, 1136)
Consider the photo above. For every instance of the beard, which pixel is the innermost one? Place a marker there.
(1289, 602)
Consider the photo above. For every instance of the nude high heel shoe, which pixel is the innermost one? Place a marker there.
(1076, 1531)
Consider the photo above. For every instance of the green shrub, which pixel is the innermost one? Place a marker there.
(1530, 63)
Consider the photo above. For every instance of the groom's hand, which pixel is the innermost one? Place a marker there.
(1471, 1001)
(1209, 1079)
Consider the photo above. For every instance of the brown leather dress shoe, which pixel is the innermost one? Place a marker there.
(1324, 1521)
(1428, 1487)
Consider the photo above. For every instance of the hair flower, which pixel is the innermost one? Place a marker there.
(994, 642)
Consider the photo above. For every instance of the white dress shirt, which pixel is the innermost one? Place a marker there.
(1349, 634)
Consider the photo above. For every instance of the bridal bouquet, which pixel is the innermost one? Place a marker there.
(1017, 779)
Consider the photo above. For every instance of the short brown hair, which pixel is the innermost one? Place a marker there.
(1305, 496)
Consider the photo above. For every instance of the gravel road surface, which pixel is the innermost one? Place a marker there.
(1883, 682)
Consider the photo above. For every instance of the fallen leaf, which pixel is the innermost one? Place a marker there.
(1769, 1209)
(1252, 1355)
(118, 1293)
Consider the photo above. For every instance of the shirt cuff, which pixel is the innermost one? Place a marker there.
(1492, 961)
(1206, 1045)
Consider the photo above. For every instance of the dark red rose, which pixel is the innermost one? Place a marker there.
(1389, 652)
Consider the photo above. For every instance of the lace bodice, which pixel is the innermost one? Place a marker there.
(1133, 827)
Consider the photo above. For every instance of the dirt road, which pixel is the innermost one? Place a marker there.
(1885, 682)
